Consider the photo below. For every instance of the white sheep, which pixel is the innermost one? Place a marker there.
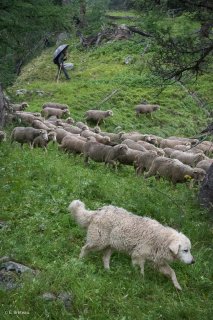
(144, 161)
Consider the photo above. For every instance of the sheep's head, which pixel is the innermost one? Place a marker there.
(44, 134)
(109, 113)
(156, 107)
(198, 174)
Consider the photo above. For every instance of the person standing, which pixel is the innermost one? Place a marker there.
(60, 55)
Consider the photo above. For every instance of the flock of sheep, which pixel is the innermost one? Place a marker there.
(174, 158)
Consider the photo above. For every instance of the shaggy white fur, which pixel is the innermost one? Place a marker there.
(111, 228)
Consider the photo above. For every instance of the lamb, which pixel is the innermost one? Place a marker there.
(187, 158)
(55, 105)
(144, 161)
(133, 145)
(19, 107)
(103, 153)
(112, 228)
(146, 109)
(174, 170)
(98, 115)
(40, 142)
(2, 136)
(72, 144)
(48, 112)
(204, 164)
(27, 135)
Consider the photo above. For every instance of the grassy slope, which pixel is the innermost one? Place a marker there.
(36, 189)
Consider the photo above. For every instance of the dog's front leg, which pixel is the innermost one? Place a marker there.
(169, 272)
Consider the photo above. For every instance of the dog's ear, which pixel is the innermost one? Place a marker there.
(174, 247)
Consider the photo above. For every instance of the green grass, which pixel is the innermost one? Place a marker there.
(36, 189)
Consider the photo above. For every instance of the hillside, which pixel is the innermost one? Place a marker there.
(37, 187)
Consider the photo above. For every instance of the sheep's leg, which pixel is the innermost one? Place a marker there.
(149, 173)
(169, 272)
(106, 258)
(86, 159)
(136, 260)
(85, 250)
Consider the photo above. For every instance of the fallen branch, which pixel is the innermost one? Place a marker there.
(108, 97)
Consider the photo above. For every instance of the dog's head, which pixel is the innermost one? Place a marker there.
(180, 248)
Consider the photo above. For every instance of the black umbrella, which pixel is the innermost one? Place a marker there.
(59, 50)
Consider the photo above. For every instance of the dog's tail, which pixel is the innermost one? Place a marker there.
(80, 214)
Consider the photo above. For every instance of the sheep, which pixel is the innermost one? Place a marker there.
(2, 136)
(183, 139)
(47, 112)
(37, 124)
(149, 146)
(55, 105)
(103, 153)
(144, 161)
(204, 164)
(72, 129)
(146, 109)
(187, 158)
(19, 107)
(115, 138)
(172, 143)
(174, 170)
(206, 147)
(168, 151)
(82, 125)
(72, 144)
(60, 134)
(27, 135)
(26, 118)
(133, 145)
(40, 142)
(88, 133)
(97, 115)
(153, 139)
(134, 136)
(130, 157)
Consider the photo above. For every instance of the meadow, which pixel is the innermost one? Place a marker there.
(37, 187)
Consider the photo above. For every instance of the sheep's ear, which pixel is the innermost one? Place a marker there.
(174, 247)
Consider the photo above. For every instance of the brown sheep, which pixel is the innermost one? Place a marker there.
(174, 170)
(98, 115)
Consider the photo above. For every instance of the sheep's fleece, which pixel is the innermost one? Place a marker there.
(111, 228)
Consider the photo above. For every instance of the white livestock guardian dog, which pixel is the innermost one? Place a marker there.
(111, 228)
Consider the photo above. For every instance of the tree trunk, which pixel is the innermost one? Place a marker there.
(83, 8)
(2, 108)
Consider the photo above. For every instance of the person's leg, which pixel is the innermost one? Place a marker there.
(65, 73)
